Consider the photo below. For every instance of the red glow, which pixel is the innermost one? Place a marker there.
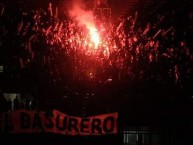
(85, 18)
(98, 49)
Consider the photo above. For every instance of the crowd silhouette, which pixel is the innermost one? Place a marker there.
(54, 47)
(18, 104)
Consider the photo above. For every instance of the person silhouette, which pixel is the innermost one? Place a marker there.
(27, 104)
(16, 103)
(34, 104)
(9, 105)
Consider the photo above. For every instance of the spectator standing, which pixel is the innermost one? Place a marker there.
(27, 104)
(16, 103)
(9, 105)
(34, 104)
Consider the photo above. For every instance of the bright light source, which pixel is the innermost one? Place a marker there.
(94, 36)
(1, 68)
(12, 96)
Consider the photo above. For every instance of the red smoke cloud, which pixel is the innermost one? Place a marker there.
(84, 15)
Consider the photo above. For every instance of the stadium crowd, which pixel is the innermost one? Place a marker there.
(52, 46)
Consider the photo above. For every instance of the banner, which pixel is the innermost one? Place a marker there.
(23, 121)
